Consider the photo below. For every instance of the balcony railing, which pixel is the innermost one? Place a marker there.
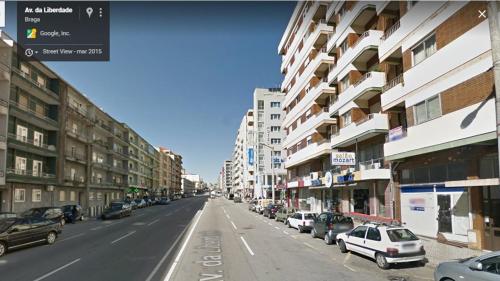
(391, 30)
(76, 155)
(75, 178)
(395, 81)
(377, 163)
(360, 38)
(4, 102)
(100, 181)
(32, 142)
(78, 110)
(366, 118)
(29, 173)
(37, 114)
(34, 82)
(2, 138)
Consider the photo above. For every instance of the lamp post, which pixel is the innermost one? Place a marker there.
(272, 170)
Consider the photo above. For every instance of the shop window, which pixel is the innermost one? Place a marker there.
(438, 173)
(421, 175)
(457, 171)
(62, 195)
(488, 167)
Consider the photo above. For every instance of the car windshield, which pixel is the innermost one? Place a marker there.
(309, 216)
(6, 223)
(401, 235)
(67, 208)
(116, 206)
(342, 219)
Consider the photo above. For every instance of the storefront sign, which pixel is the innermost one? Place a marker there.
(250, 156)
(417, 204)
(345, 178)
(307, 181)
(328, 179)
(343, 158)
(396, 133)
(316, 182)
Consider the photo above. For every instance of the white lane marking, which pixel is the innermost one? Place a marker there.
(270, 223)
(350, 268)
(153, 222)
(178, 257)
(277, 228)
(169, 214)
(308, 245)
(284, 231)
(96, 228)
(112, 224)
(124, 236)
(139, 215)
(228, 217)
(234, 226)
(56, 270)
(71, 237)
(246, 245)
(224, 210)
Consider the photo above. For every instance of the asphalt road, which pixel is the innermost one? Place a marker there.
(139, 247)
(228, 242)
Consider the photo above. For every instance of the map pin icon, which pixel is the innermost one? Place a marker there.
(89, 11)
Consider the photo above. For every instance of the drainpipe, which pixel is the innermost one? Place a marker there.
(494, 22)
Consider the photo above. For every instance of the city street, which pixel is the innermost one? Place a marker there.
(134, 248)
(231, 243)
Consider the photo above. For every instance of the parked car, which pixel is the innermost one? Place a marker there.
(19, 232)
(252, 205)
(270, 210)
(68, 212)
(148, 201)
(117, 210)
(237, 199)
(132, 204)
(164, 201)
(52, 213)
(283, 214)
(482, 268)
(140, 203)
(7, 215)
(303, 221)
(327, 225)
(231, 196)
(386, 244)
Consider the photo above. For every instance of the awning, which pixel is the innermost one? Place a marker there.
(473, 182)
(318, 187)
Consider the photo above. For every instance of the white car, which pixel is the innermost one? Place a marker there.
(301, 220)
(385, 244)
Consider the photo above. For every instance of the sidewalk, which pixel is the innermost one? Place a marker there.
(437, 252)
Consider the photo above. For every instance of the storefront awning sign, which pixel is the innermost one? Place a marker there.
(328, 179)
(345, 178)
(343, 158)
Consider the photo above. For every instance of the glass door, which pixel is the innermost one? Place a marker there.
(37, 168)
(491, 205)
(444, 213)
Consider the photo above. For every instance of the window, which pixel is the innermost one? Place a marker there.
(343, 47)
(275, 104)
(275, 116)
(276, 165)
(275, 141)
(260, 125)
(37, 138)
(37, 168)
(62, 195)
(72, 196)
(260, 104)
(22, 133)
(36, 195)
(424, 49)
(25, 68)
(19, 195)
(277, 153)
(20, 165)
(411, 4)
(99, 196)
(491, 265)
(373, 234)
(347, 118)
(260, 115)
(400, 235)
(359, 231)
(40, 80)
(91, 196)
(345, 83)
(275, 128)
(428, 109)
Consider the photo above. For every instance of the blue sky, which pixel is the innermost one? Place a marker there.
(182, 74)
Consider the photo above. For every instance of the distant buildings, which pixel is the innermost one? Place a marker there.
(243, 157)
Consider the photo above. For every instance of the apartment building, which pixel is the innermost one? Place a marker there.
(269, 137)
(5, 76)
(170, 171)
(243, 157)
(141, 165)
(196, 179)
(188, 187)
(227, 176)
(306, 65)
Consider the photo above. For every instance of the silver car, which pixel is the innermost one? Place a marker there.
(483, 268)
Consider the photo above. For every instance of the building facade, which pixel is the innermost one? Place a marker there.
(243, 157)
(188, 187)
(170, 172)
(227, 176)
(268, 139)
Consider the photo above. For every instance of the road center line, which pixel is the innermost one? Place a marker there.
(169, 214)
(96, 228)
(228, 217)
(178, 257)
(284, 231)
(124, 236)
(57, 269)
(350, 268)
(153, 222)
(71, 237)
(277, 228)
(234, 226)
(246, 245)
(308, 245)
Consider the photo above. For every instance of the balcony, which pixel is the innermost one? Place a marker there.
(392, 92)
(80, 112)
(23, 112)
(77, 134)
(120, 170)
(3, 142)
(373, 124)
(29, 145)
(4, 107)
(75, 156)
(22, 175)
(472, 124)
(75, 179)
(364, 89)
(38, 90)
(307, 153)
(358, 54)
(374, 169)
(309, 126)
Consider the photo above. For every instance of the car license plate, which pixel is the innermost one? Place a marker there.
(407, 246)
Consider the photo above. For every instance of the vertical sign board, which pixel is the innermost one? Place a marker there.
(250, 156)
(343, 158)
(2, 13)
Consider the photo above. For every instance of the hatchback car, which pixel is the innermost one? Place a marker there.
(20, 232)
(52, 213)
(303, 221)
(283, 214)
(141, 203)
(327, 225)
(68, 212)
(164, 201)
(117, 210)
(385, 244)
(482, 268)
(270, 211)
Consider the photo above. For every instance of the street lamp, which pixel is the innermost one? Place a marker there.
(272, 170)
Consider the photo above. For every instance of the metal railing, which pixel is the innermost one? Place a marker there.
(390, 30)
(75, 178)
(366, 118)
(24, 139)
(39, 115)
(395, 81)
(377, 163)
(76, 155)
(363, 78)
(29, 173)
(2, 138)
(78, 110)
(34, 82)
(360, 38)
(4, 102)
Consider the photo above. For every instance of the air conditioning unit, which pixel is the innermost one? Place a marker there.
(314, 176)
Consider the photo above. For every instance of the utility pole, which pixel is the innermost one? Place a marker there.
(494, 21)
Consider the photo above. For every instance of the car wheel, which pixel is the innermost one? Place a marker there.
(327, 239)
(51, 238)
(300, 229)
(3, 249)
(381, 261)
(313, 233)
(288, 224)
(342, 246)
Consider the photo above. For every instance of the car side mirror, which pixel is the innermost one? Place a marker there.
(477, 266)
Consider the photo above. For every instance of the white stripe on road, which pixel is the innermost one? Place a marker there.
(277, 228)
(169, 214)
(284, 231)
(96, 228)
(139, 215)
(246, 245)
(270, 223)
(71, 237)
(309, 245)
(57, 269)
(124, 236)
(178, 257)
(228, 217)
(234, 226)
(350, 268)
(153, 222)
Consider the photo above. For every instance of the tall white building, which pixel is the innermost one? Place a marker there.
(243, 167)
(227, 176)
(268, 139)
